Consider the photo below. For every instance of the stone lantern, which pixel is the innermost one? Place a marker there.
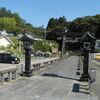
(27, 45)
(88, 45)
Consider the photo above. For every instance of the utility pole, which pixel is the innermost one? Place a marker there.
(63, 42)
(45, 33)
(63, 45)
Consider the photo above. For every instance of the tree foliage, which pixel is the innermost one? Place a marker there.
(8, 23)
(53, 23)
(84, 24)
(13, 23)
(97, 33)
(45, 46)
(76, 28)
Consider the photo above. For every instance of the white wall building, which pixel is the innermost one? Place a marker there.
(3, 33)
(5, 41)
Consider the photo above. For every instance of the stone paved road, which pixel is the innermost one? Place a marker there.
(54, 83)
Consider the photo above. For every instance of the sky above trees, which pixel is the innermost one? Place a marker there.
(38, 12)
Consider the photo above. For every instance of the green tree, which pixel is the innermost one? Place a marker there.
(84, 24)
(8, 24)
(97, 32)
(12, 22)
(51, 24)
(45, 46)
(42, 46)
(5, 13)
(62, 22)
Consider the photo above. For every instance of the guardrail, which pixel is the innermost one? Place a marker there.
(12, 72)
(7, 74)
(44, 63)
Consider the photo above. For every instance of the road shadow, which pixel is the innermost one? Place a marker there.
(58, 76)
(78, 73)
(76, 86)
(77, 89)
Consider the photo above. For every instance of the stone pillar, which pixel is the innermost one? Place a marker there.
(28, 71)
(9, 76)
(85, 74)
(14, 74)
(2, 78)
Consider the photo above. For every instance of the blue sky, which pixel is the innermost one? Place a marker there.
(38, 12)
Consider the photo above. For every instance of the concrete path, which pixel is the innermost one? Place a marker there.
(57, 82)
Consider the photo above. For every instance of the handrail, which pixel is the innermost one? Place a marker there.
(12, 72)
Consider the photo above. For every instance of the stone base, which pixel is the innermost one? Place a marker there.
(27, 74)
(84, 77)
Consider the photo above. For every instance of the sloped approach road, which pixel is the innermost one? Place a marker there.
(52, 83)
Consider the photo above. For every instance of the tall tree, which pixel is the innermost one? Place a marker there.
(97, 32)
(5, 13)
(62, 22)
(51, 24)
(84, 24)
